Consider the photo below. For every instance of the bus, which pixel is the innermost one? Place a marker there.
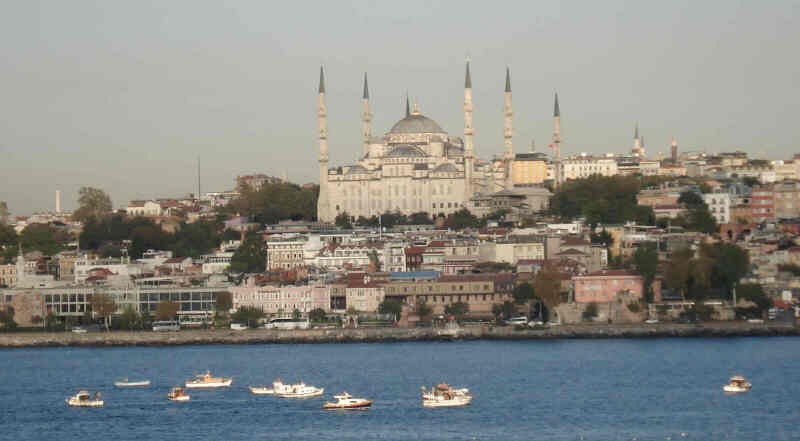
(288, 323)
(166, 325)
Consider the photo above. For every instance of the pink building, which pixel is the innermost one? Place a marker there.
(606, 286)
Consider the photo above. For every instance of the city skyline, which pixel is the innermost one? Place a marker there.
(126, 97)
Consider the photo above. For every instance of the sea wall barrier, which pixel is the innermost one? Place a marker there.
(387, 335)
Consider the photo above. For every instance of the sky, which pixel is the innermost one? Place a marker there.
(125, 96)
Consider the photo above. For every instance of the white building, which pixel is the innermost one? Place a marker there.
(583, 166)
(719, 204)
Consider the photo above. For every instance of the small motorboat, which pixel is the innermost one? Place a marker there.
(207, 381)
(127, 383)
(277, 388)
(445, 396)
(737, 384)
(300, 390)
(83, 399)
(178, 394)
(345, 401)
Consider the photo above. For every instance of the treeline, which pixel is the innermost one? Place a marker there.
(601, 200)
(189, 240)
(458, 220)
(275, 202)
(46, 238)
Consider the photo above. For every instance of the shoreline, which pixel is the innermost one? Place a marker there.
(389, 335)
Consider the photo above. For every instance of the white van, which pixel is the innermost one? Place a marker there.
(520, 320)
(238, 326)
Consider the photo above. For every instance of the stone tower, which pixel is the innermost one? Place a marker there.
(469, 152)
(674, 150)
(366, 117)
(557, 178)
(323, 203)
(508, 133)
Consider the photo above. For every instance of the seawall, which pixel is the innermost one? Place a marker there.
(387, 335)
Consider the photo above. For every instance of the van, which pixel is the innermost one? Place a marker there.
(521, 320)
(238, 326)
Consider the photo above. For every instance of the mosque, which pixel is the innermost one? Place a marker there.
(415, 167)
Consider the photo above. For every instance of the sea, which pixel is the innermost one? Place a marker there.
(615, 389)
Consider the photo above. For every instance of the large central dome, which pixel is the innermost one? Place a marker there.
(416, 123)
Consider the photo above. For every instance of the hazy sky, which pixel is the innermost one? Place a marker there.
(124, 95)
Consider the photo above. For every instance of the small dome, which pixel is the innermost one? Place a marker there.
(406, 151)
(416, 123)
(446, 168)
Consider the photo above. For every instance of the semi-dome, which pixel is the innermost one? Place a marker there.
(406, 151)
(445, 168)
(416, 123)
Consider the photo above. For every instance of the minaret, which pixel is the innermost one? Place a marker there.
(58, 201)
(674, 151)
(469, 152)
(20, 268)
(366, 117)
(508, 133)
(408, 106)
(637, 142)
(323, 203)
(557, 143)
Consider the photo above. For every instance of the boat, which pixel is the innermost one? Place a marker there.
(178, 394)
(83, 399)
(299, 390)
(443, 395)
(207, 381)
(126, 383)
(277, 388)
(737, 384)
(345, 401)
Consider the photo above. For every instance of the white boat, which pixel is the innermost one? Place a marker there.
(737, 384)
(206, 381)
(300, 390)
(277, 388)
(83, 399)
(177, 394)
(345, 401)
(126, 383)
(445, 396)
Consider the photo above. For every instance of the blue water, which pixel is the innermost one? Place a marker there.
(667, 389)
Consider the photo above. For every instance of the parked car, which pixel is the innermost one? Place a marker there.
(238, 326)
(651, 321)
(521, 320)
(533, 323)
(755, 320)
(79, 330)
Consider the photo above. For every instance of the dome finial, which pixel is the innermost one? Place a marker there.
(416, 109)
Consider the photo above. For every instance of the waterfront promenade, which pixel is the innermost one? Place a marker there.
(386, 335)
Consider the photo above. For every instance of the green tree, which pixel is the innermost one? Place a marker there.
(522, 293)
(601, 200)
(8, 243)
(603, 238)
(391, 306)
(342, 221)
(223, 302)
(503, 311)
(249, 315)
(755, 293)
(251, 257)
(729, 264)
(129, 319)
(462, 219)
(92, 202)
(45, 238)
(420, 218)
(195, 239)
(422, 309)
(104, 306)
(373, 259)
(167, 310)
(296, 314)
(7, 319)
(317, 315)
(457, 309)
(547, 286)
(590, 313)
(645, 263)
(3, 213)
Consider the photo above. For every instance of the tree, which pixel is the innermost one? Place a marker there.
(8, 243)
(7, 319)
(420, 218)
(601, 200)
(223, 302)
(603, 238)
(45, 238)
(296, 314)
(457, 309)
(547, 286)
(391, 306)
(522, 293)
(373, 260)
(422, 309)
(342, 221)
(249, 315)
(503, 311)
(729, 264)
(275, 202)
(129, 319)
(251, 257)
(167, 310)
(92, 202)
(3, 213)
(462, 219)
(645, 263)
(755, 293)
(690, 199)
(317, 315)
(104, 306)
(590, 312)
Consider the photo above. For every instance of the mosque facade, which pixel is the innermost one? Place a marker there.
(414, 167)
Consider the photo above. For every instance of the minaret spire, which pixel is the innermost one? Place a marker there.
(366, 118)
(469, 153)
(637, 142)
(408, 106)
(557, 172)
(323, 202)
(508, 133)
(674, 150)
